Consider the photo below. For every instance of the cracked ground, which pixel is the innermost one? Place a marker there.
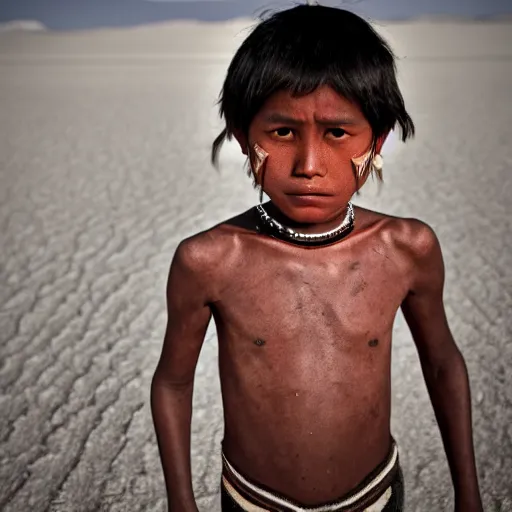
(104, 168)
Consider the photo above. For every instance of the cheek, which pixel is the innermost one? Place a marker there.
(358, 144)
(279, 163)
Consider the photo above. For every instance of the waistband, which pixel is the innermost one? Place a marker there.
(371, 495)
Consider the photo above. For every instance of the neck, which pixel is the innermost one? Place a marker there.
(306, 228)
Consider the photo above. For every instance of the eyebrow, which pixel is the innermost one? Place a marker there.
(276, 118)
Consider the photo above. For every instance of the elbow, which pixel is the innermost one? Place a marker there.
(454, 361)
(163, 381)
(445, 366)
(166, 397)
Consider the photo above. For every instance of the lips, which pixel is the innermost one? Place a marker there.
(302, 199)
(308, 193)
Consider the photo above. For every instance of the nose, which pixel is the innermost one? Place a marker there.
(310, 161)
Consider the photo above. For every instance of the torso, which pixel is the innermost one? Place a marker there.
(305, 351)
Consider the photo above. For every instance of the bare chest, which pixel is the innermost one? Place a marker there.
(306, 299)
(310, 328)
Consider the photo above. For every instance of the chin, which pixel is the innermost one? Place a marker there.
(309, 210)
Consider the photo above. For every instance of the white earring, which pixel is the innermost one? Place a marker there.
(377, 162)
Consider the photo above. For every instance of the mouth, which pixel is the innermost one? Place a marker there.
(309, 194)
(307, 198)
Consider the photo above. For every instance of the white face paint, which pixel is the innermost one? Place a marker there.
(260, 155)
(361, 162)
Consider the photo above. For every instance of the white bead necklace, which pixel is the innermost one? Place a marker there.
(284, 232)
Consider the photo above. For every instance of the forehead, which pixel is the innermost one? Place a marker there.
(323, 101)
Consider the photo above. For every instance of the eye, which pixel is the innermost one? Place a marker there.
(283, 133)
(338, 133)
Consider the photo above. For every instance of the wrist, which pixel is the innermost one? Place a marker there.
(185, 503)
(182, 507)
(468, 502)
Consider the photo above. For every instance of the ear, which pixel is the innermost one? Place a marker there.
(242, 141)
(380, 142)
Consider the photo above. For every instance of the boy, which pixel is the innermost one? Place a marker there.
(305, 288)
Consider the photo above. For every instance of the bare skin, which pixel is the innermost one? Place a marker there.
(307, 393)
(305, 333)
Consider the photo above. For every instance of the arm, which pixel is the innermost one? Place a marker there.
(173, 381)
(443, 366)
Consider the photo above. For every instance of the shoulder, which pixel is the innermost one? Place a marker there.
(413, 245)
(420, 244)
(193, 270)
(204, 252)
(412, 235)
(199, 253)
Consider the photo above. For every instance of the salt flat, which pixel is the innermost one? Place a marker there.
(104, 168)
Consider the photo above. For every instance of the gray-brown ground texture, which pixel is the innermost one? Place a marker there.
(104, 169)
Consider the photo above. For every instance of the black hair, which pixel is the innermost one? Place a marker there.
(302, 48)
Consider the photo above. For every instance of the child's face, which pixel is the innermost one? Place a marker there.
(310, 141)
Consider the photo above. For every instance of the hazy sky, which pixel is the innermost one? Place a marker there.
(75, 14)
